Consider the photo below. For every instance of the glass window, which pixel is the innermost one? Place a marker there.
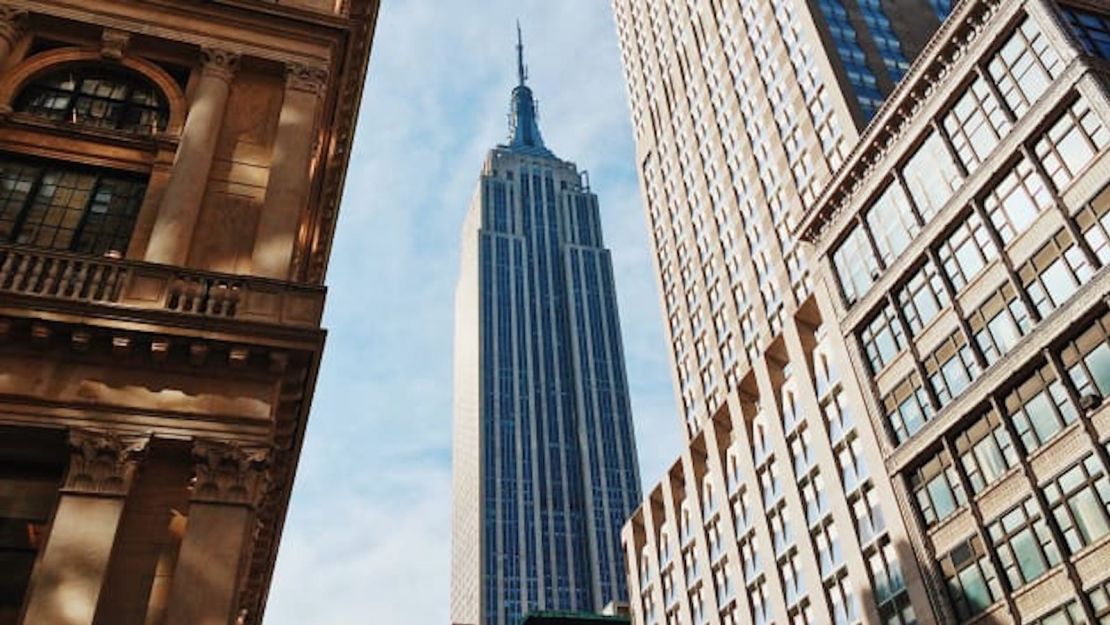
(951, 367)
(886, 572)
(1016, 201)
(922, 297)
(27, 497)
(966, 251)
(1087, 359)
(1068, 614)
(999, 323)
(1039, 408)
(867, 514)
(849, 459)
(1071, 143)
(882, 338)
(826, 543)
(1078, 498)
(97, 96)
(842, 602)
(59, 206)
(937, 490)
(907, 408)
(815, 497)
(1091, 29)
(1024, 67)
(855, 265)
(1094, 222)
(1054, 273)
(986, 451)
(976, 123)
(1100, 601)
(892, 223)
(1023, 543)
(972, 582)
(931, 176)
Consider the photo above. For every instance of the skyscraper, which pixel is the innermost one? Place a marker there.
(778, 509)
(545, 469)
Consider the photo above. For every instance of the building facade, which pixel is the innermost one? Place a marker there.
(169, 179)
(544, 468)
(961, 254)
(778, 509)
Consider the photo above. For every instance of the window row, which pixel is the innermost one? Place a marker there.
(966, 134)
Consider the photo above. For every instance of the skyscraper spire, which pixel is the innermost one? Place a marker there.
(524, 131)
(522, 72)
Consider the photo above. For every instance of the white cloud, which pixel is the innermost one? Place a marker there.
(367, 539)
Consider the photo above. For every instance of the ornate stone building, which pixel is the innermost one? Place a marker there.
(170, 173)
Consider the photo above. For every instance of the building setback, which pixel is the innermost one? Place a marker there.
(170, 174)
(778, 509)
(961, 255)
(545, 469)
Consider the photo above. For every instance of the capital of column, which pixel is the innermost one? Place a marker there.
(102, 463)
(13, 23)
(229, 473)
(220, 63)
(306, 77)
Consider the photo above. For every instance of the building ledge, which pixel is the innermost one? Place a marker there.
(137, 285)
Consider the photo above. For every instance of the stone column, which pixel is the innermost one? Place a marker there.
(65, 586)
(13, 26)
(181, 201)
(288, 185)
(230, 482)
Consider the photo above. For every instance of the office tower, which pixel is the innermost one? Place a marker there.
(169, 180)
(962, 255)
(545, 466)
(778, 509)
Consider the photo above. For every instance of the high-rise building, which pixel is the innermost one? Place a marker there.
(778, 509)
(170, 174)
(545, 469)
(962, 256)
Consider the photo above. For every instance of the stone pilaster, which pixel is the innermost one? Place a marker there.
(66, 584)
(230, 481)
(172, 235)
(288, 187)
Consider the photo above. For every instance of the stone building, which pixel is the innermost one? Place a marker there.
(170, 173)
(961, 252)
(776, 511)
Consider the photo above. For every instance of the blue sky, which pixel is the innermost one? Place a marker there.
(368, 533)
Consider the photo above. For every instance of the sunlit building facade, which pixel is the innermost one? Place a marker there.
(778, 509)
(544, 469)
(170, 174)
(961, 259)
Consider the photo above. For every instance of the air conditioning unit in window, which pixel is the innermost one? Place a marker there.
(1089, 401)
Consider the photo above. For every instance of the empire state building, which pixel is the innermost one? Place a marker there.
(545, 469)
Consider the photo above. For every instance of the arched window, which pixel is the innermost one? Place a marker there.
(96, 96)
(67, 207)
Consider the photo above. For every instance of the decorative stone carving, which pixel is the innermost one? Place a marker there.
(13, 23)
(114, 43)
(103, 463)
(304, 77)
(229, 473)
(220, 63)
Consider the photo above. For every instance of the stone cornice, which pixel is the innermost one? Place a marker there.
(230, 473)
(102, 463)
(901, 110)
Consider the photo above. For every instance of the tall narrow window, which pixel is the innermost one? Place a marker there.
(91, 95)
